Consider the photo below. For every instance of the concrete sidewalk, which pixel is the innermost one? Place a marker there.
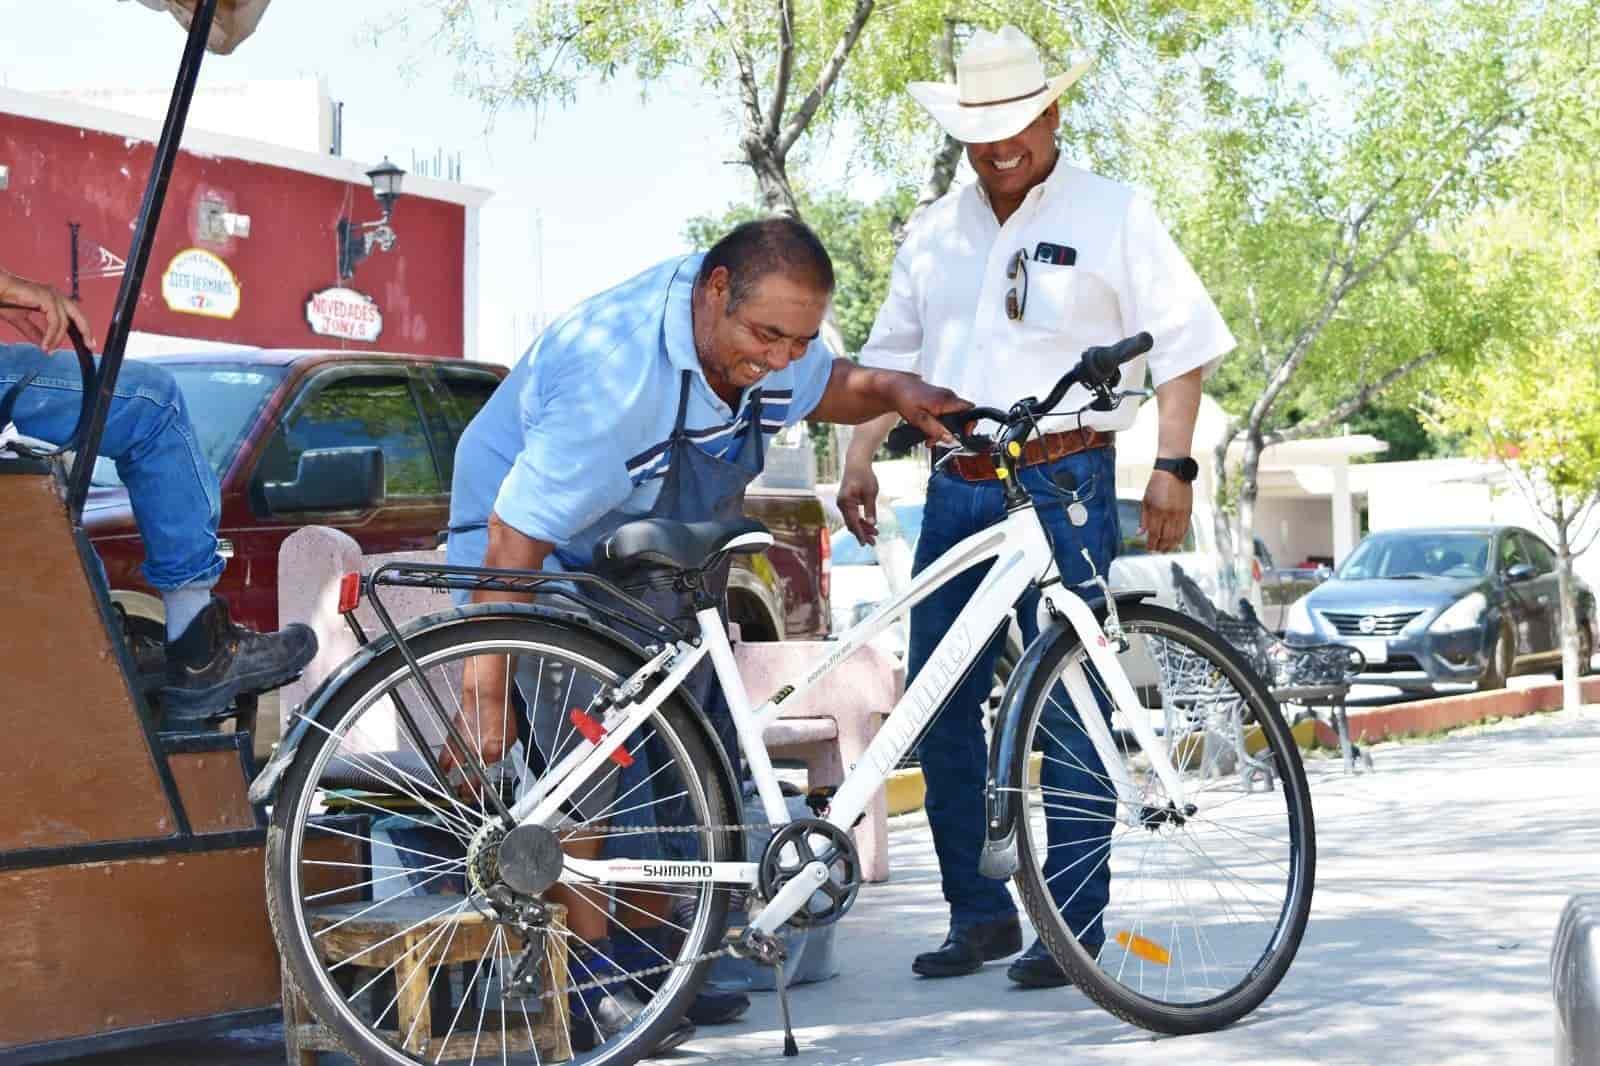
(1440, 879)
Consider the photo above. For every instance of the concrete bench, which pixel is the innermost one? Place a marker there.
(826, 729)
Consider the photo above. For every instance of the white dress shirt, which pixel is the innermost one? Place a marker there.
(945, 316)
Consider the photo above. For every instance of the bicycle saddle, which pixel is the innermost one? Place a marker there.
(679, 545)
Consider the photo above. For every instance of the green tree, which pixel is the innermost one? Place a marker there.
(1532, 406)
(1338, 165)
(788, 69)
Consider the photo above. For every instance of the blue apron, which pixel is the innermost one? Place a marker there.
(698, 486)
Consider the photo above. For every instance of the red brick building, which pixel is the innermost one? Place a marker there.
(247, 239)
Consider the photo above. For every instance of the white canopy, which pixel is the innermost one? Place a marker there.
(235, 19)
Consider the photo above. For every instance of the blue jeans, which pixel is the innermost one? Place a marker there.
(171, 486)
(952, 752)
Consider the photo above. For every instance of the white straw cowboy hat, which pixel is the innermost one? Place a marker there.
(1000, 88)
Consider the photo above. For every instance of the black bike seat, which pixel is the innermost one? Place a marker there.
(679, 545)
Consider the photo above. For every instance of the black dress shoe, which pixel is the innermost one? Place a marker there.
(967, 948)
(1037, 968)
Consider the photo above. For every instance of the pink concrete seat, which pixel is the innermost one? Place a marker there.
(826, 728)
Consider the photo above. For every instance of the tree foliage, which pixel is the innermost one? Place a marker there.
(1532, 405)
(790, 69)
(1340, 160)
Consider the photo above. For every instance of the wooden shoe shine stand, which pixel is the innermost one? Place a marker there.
(414, 935)
(132, 900)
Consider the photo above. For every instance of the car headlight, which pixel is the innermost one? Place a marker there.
(1465, 613)
(1299, 620)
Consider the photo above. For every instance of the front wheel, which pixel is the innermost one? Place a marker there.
(392, 897)
(1502, 660)
(1177, 918)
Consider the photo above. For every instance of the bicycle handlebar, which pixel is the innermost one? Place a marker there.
(1098, 368)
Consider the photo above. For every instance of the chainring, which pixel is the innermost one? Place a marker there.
(797, 840)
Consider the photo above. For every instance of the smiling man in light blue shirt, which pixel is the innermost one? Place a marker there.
(581, 426)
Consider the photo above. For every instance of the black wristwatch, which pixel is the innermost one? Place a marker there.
(1185, 469)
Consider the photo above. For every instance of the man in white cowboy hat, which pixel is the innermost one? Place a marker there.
(996, 291)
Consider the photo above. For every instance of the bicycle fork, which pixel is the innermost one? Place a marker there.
(999, 858)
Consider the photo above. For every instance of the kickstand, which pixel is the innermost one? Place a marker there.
(790, 1048)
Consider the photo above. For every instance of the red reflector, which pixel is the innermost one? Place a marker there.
(349, 592)
(594, 733)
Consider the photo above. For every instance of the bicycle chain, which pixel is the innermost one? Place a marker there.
(708, 956)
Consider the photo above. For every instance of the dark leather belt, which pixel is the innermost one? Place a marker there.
(1042, 449)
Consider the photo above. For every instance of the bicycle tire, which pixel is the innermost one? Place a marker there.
(294, 817)
(1101, 970)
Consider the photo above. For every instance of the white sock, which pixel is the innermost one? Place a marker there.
(183, 604)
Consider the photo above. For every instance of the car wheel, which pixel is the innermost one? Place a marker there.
(1502, 658)
(1585, 650)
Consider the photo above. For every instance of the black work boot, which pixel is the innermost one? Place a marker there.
(215, 660)
(968, 947)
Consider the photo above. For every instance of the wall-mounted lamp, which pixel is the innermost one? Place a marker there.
(356, 239)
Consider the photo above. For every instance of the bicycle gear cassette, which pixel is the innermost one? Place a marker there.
(796, 846)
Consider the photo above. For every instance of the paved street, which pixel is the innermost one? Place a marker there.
(1440, 879)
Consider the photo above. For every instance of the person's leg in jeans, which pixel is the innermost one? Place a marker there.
(1078, 834)
(953, 754)
(175, 499)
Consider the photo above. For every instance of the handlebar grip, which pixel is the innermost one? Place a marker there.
(1099, 364)
(903, 438)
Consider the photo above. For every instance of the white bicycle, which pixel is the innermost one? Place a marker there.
(1145, 793)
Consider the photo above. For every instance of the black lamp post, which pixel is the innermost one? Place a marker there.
(356, 240)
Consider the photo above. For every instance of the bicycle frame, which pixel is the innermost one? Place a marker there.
(1021, 553)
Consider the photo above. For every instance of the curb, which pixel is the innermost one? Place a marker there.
(1368, 726)
(906, 789)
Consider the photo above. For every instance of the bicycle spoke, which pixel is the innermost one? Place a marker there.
(398, 831)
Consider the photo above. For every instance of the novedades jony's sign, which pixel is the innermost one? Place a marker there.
(344, 313)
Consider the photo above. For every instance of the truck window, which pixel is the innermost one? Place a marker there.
(357, 411)
(461, 394)
(468, 391)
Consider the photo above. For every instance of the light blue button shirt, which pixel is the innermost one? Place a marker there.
(580, 427)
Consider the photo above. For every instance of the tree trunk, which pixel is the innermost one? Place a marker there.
(1244, 546)
(772, 180)
(1571, 669)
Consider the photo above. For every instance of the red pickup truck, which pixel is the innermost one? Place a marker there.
(291, 435)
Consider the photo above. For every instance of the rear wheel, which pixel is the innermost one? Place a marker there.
(1177, 919)
(1502, 659)
(390, 895)
(1585, 651)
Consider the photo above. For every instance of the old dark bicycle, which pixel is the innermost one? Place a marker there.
(628, 806)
